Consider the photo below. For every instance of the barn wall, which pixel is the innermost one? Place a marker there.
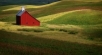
(23, 19)
(28, 20)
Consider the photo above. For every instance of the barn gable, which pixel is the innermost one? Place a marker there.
(24, 18)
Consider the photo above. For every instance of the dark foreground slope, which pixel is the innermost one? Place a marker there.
(18, 44)
(21, 2)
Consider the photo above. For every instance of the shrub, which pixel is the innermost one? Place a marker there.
(69, 31)
(30, 30)
(73, 32)
(38, 30)
(64, 30)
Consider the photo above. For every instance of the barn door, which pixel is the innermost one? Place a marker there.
(18, 19)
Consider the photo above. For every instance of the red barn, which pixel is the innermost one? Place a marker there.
(24, 18)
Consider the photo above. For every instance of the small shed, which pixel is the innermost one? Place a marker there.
(24, 18)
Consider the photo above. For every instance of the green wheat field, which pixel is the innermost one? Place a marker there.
(68, 27)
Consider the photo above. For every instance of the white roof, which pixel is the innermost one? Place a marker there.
(20, 13)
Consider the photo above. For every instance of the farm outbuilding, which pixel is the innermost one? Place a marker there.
(24, 18)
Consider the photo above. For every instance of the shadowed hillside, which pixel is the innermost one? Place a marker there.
(84, 0)
(18, 44)
(23, 2)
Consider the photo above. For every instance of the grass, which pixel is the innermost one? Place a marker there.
(62, 6)
(27, 44)
(45, 19)
(47, 27)
(30, 6)
(81, 37)
(51, 17)
(92, 32)
(87, 17)
(32, 30)
(21, 2)
(8, 19)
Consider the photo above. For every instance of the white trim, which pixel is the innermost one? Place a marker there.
(23, 9)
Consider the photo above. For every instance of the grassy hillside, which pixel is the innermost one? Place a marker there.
(89, 20)
(62, 6)
(86, 17)
(18, 44)
(68, 27)
(23, 2)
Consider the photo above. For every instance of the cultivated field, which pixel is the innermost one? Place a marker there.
(67, 28)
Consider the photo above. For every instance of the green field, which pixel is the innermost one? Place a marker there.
(88, 17)
(67, 28)
(19, 44)
(57, 8)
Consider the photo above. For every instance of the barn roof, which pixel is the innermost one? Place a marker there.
(20, 13)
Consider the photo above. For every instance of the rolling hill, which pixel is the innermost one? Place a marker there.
(82, 17)
(19, 44)
(62, 6)
(22, 2)
(68, 27)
